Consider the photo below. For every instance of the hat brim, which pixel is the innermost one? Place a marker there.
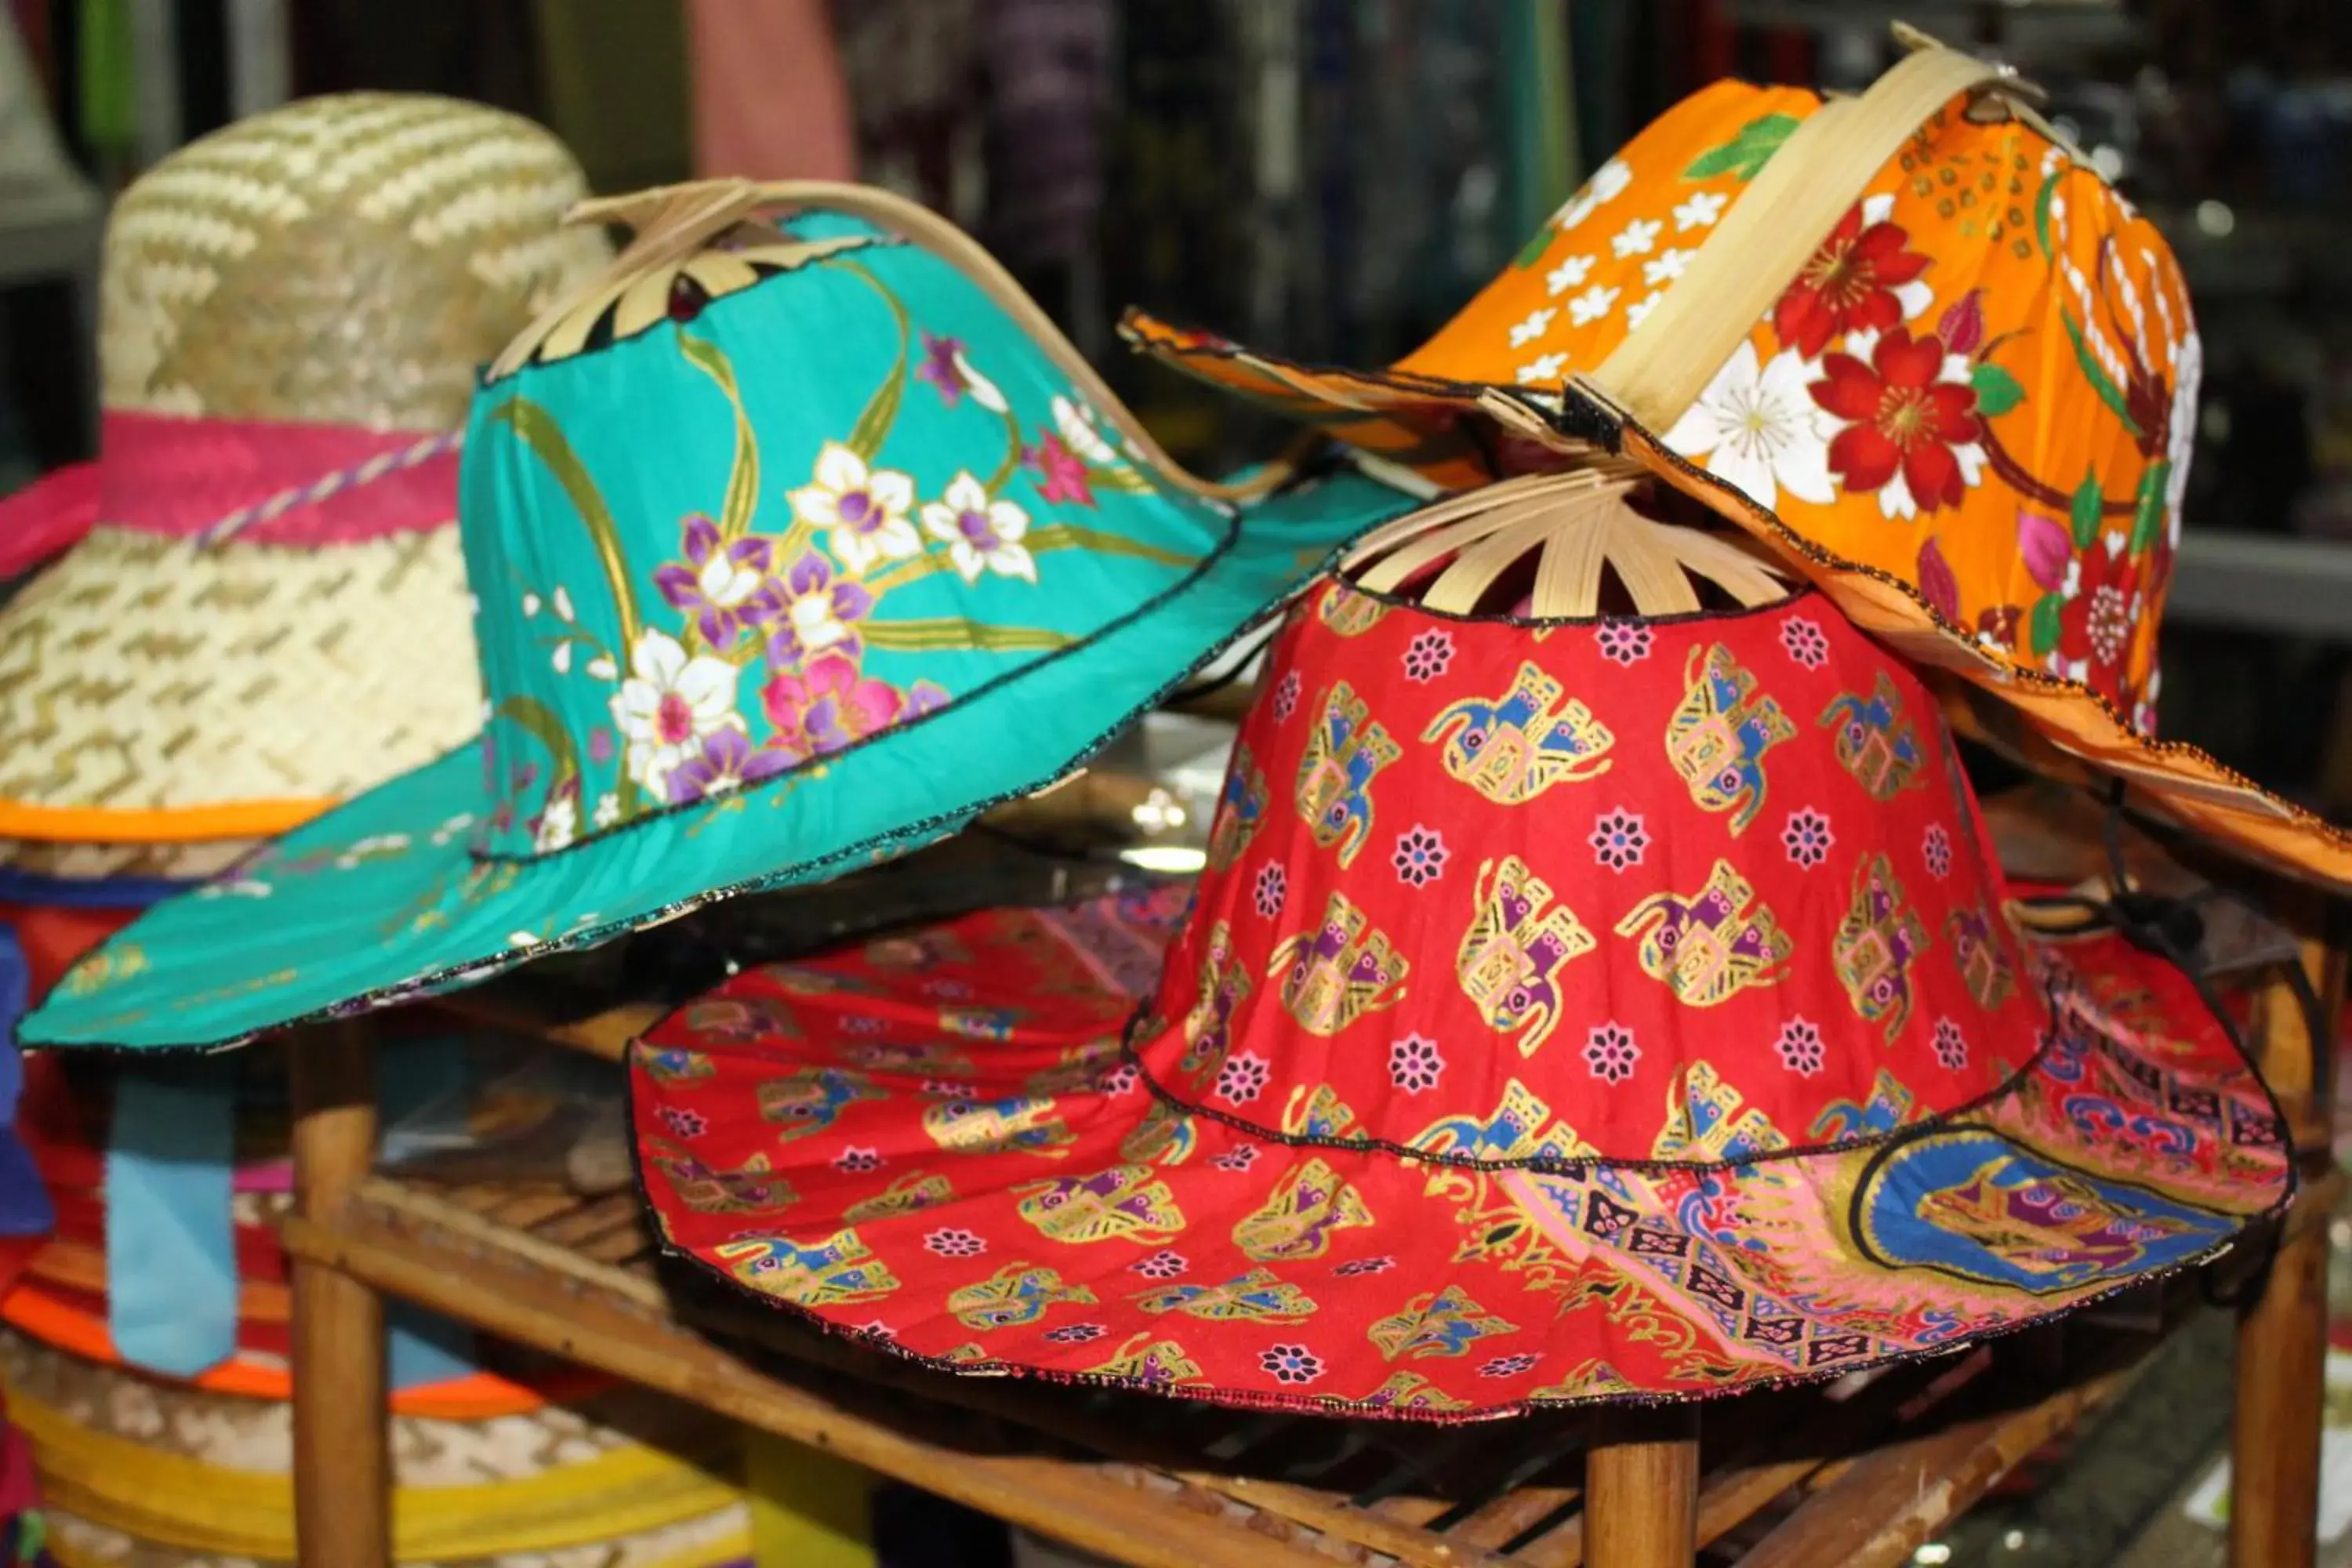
(383, 900)
(2057, 725)
(932, 1144)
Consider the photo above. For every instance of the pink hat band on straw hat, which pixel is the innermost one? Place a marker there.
(268, 481)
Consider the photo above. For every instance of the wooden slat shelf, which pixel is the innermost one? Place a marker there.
(1801, 1478)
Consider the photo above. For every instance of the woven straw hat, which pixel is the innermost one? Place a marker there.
(269, 612)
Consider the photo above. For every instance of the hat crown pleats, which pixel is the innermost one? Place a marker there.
(1677, 888)
(825, 496)
(346, 260)
(1574, 538)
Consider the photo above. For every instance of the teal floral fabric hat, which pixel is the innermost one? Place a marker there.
(794, 544)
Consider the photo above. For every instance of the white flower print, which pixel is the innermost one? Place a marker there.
(1590, 305)
(558, 823)
(1570, 274)
(668, 705)
(863, 512)
(1538, 322)
(1636, 238)
(608, 809)
(1638, 311)
(982, 535)
(2180, 438)
(1756, 426)
(1603, 187)
(1700, 211)
(602, 667)
(1544, 367)
(1075, 423)
(1670, 264)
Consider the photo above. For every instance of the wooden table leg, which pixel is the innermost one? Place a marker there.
(343, 1471)
(1641, 1489)
(2283, 1331)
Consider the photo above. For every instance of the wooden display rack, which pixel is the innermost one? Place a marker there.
(1799, 1480)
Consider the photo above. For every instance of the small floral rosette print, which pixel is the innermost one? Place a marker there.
(1438, 1110)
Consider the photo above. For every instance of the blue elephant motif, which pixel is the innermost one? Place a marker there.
(1345, 750)
(1874, 741)
(1513, 748)
(1719, 732)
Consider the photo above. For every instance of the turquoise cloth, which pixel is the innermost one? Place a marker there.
(800, 578)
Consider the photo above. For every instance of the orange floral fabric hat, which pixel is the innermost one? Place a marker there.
(1910, 340)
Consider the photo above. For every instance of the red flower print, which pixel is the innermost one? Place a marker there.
(2095, 625)
(1905, 420)
(1848, 286)
(1061, 473)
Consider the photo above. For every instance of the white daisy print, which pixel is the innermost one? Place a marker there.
(1700, 211)
(1756, 426)
(1666, 266)
(1638, 311)
(1590, 305)
(1546, 367)
(1570, 274)
(1538, 322)
(1636, 238)
(1603, 187)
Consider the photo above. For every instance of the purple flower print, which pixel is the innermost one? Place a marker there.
(1936, 845)
(828, 706)
(952, 1243)
(1076, 1333)
(1286, 696)
(1508, 1366)
(1240, 1158)
(1611, 1053)
(1266, 893)
(1163, 1265)
(1426, 656)
(1804, 642)
(728, 762)
(1800, 1048)
(1807, 838)
(1061, 473)
(1356, 1267)
(816, 611)
(1622, 642)
(725, 589)
(1243, 1079)
(1414, 1063)
(1951, 1045)
(1421, 855)
(944, 366)
(1619, 839)
(1291, 1364)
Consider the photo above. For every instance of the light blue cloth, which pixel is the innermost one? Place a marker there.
(171, 1238)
